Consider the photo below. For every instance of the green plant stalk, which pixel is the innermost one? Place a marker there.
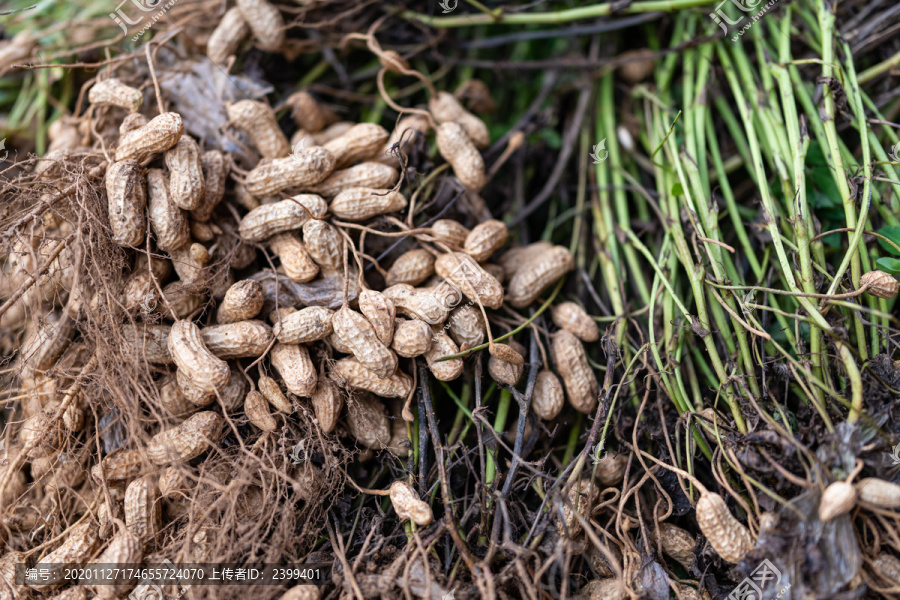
(498, 17)
(572, 442)
(801, 217)
(608, 255)
(855, 101)
(607, 121)
(672, 391)
(696, 279)
(810, 307)
(739, 229)
(499, 428)
(857, 262)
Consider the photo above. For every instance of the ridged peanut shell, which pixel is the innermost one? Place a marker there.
(331, 131)
(119, 467)
(115, 93)
(368, 422)
(359, 334)
(445, 107)
(403, 134)
(186, 186)
(408, 505)
(194, 359)
(450, 232)
(256, 118)
(838, 498)
(364, 175)
(442, 345)
(324, 244)
(79, 545)
(418, 303)
(271, 391)
(465, 274)
(232, 395)
(215, 168)
(293, 363)
(242, 301)
(677, 543)
(880, 284)
(466, 326)
(143, 510)
(485, 239)
(186, 441)
(158, 135)
(327, 403)
(575, 371)
(306, 325)
(271, 219)
(168, 221)
(380, 312)
(548, 397)
(124, 549)
(728, 537)
(359, 204)
(126, 200)
(194, 394)
(302, 592)
(412, 337)
(361, 142)
(257, 410)
(532, 279)
(243, 339)
(298, 265)
(458, 150)
(573, 318)
(888, 566)
(265, 22)
(308, 113)
(303, 168)
(879, 492)
(611, 470)
(226, 38)
(514, 258)
(411, 268)
(506, 372)
(348, 371)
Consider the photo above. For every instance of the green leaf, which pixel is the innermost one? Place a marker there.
(677, 189)
(888, 265)
(891, 232)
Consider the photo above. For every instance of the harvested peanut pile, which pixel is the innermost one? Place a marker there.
(344, 289)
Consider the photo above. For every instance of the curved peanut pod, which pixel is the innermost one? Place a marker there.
(200, 366)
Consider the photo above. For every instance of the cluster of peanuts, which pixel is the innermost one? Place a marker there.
(317, 335)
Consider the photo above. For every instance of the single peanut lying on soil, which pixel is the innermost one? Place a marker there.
(408, 505)
(729, 537)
